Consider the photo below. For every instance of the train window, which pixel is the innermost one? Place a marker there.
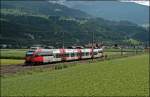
(83, 54)
(54, 55)
(100, 52)
(87, 54)
(36, 55)
(44, 54)
(29, 53)
(58, 56)
(78, 54)
(67, 55)
(95, 53)
(75, 54)
(72, 54)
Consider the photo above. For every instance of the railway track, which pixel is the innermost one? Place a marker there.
(13, 69)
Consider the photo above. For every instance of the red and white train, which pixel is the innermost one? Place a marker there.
(39, 55)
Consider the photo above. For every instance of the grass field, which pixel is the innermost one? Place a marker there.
(119, 77)
(10, 61)
(12, 53)
(12, 56)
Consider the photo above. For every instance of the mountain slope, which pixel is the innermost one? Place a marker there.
(113, 10)
(23, 30)
(22, 25)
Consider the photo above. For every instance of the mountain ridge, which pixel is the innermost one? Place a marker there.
(113, 10)
(21, 26)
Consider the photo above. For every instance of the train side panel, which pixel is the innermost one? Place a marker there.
(97, 53)
(57, 55)
(71, 54)
(86, 53)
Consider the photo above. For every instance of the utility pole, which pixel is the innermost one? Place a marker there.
(63, 40)
(92, 45)
(121, 51)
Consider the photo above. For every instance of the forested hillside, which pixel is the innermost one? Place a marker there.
(24, 26)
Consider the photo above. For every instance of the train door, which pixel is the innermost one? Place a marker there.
(47, 55)
(47, 59)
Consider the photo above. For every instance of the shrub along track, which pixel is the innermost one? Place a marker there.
(13, 69)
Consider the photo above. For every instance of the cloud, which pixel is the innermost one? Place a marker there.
(58, 1)
(142, 2)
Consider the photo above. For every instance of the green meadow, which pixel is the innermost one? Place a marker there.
(12, 53)
(118, 77)
(11, 61)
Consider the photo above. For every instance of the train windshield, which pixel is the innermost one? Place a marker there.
(29, 53)
(44, 53)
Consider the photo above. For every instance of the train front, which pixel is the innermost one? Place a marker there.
(29, 57)
(32, 57)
